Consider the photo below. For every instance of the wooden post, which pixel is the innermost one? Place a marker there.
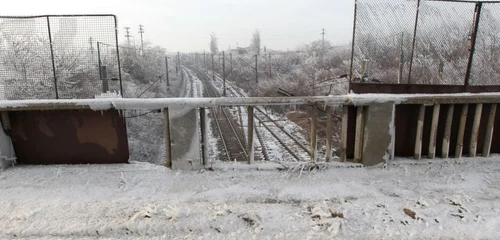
(475, 130)
(329, 133)
(359, 138)
(447, 132)
(420, 132)
(489, 130)
(345, 120)
(461, 131)
(434, 126)
(250, 142)
(314, 125)
(204, 142)
(168, 146)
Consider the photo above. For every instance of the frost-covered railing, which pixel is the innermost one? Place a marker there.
(372, 129)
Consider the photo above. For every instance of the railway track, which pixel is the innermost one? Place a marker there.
(293, 146)
(232, 138)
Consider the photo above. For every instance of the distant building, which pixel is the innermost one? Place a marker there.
(243, 50)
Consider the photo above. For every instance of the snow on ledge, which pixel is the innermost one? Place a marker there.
(160, 103)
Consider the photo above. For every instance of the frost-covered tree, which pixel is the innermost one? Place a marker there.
(256, 42)
(214, 45)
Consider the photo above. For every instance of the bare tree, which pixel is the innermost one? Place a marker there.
(214, 46)
(256, 42)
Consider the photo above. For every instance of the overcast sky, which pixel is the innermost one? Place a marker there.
(185, 25)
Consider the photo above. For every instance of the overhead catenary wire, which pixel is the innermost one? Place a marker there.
(159, 78)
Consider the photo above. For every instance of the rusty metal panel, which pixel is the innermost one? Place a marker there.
(418, 88)
(69, 137)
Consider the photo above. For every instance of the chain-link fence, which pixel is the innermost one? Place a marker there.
(426, 42)
(58, 57)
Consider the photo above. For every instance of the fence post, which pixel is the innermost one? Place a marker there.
(359, 135)
(447, 132)
(477, 17)
(314, 125)
(353, 40)
(345, 121)
(461, 131)
(413, 41)
(250, 142)
(166, 65)
(204, 143)
(166, 132)
(329, 133)
(118, 56)
(420, 132)
(489, 130)
(52, 57)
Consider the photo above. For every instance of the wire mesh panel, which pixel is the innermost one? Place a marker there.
(383, 40)
(442, 42)
(426, 42)
(25, 59)
(70, 56)
(486, 63)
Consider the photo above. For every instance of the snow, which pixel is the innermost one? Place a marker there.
(160, 103)
(451, 199)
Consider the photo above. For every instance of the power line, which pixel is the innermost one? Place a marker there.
(159, 78)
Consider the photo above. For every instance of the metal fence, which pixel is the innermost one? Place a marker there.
(426, 42)
(58, 56)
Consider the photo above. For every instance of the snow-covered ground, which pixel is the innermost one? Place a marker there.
(450, 200)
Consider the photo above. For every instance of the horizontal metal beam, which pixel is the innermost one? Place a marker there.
(161, 103)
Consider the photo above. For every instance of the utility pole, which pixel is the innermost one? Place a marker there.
(213, 68)
(270, 67)
(231, 61)
(323, 41)
(166, 64)
(141, 31)
(219, 62)
(224, 73)
(127, 35)
(256, 70)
